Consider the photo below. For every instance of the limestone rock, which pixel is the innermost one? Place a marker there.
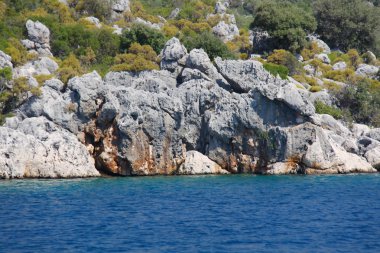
(374, 134)
(367, 70)
(225, 32)
(359, 130)
(172, 52)
(40, 149)
(174, 13)
(373, 157)
(339, 66)
(323, 57)
(221, 7)
(321, 44)
(197, 164)
(120, 6)
(95, 21)
(5, 60)
(41, 66)
(38, 32)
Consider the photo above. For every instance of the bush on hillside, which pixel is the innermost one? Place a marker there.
(287, 59)
(138, 58)
(322, 108)
(212, 45)
(275, 70)
(286, 23)
(143, 35)
(346, 24)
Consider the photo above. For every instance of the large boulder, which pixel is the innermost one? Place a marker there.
(196, 163)
(367, 70)
(321, 44)
(38, 148)
(41, 66)
(172, 52)
(39, 38)
(225, 32)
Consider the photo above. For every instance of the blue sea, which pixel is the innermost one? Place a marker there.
(243, 213)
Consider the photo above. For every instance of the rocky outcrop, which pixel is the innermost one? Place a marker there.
(225, 32)
(41, 66)
(5, 60)
(321, 44)
(197, 163)
(39, 38)
(194, 117)
(367, 70)
(37, 148)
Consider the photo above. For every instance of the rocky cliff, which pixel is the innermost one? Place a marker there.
(193, 116)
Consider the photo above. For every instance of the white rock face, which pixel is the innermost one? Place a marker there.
(225, 32)
(42, 66)
(95, 21)
(172, 52)
(38, 148)
(339, 66)
(38, 34)
(324, 58)
(198, 164)
(148, 23)
(5, 60)
(221, 7)
(367, 70)
(321, 44)
(121, 5)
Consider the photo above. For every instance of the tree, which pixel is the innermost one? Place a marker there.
(346, 24)
(286, 23)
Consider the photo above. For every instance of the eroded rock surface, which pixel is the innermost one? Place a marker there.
(194, 117)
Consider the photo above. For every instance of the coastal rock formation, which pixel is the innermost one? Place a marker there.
(191, 117)
(37, 148)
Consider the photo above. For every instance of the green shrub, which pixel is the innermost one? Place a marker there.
(144, 36)
(287, 59)
(275, 70)
(315, 88)
(346, 24)
(322, 108)
(286, 23)
(70, 68)
(212, 45)
(138, 58)
(361, 102)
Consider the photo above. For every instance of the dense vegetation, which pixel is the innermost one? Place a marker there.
(352, 26)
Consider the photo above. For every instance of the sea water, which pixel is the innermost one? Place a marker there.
(242, 213)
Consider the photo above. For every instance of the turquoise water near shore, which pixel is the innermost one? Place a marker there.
(242, 213)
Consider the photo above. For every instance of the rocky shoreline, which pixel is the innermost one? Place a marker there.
(191, 117)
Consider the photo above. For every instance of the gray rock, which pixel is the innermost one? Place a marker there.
(359, 130)
(40, 149)
(367, 70)
(225, 32)
(251, 75)
(174, 13)
(321, 44)
(120, 6)
(197, 164)
(323, 57)
(95, 21)
(221, 7)
(41, 66)
(339, 66)
(5, 60)
(38, 32)
(30, 45)
(373, 157)
(172, 52)
(322, 96)
(374, 134)
(117, 30)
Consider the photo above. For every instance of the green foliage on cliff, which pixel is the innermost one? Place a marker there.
(286, 23)
(276, 69)
(322, 108)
